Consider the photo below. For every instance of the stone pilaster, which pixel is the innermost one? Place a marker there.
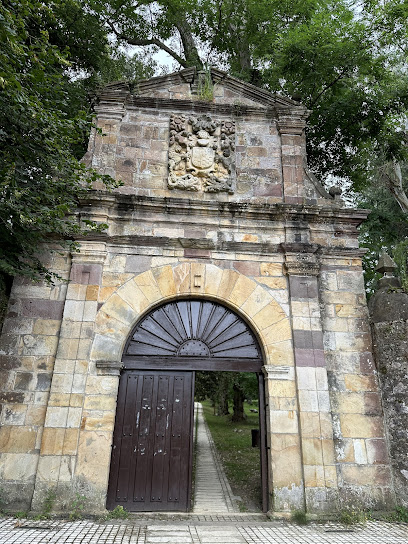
(67, 401)
(282, 416)
(316, 433)
(291, 127)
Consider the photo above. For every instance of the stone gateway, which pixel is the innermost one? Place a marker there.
(218, 218)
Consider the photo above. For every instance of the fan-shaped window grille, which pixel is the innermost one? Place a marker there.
(193, 328)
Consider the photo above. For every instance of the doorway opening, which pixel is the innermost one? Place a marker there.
(233, 408)
(152, 452)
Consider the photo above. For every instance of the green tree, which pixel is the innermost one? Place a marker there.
(52, 56)
(344, 60)
(222, 388)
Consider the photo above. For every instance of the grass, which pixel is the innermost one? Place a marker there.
(240, 460)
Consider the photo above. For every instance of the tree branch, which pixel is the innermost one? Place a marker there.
(327, 87)
(157, 43)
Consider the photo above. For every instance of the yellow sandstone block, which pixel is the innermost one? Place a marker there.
(360, 426)
(350, 310)
(48, 327)
(310, 424)
(349, 403)
(59, 399)
(52, 441)
(148, 285)
(227, 283)
(280, 354)
(35, 415)
(107, 325)
(119, 309)
(283, 421)
(314, 476)
(281, 388)
(100, 402)
(241, 291)
(271, 269)
(94, 452)
(213, 277)
(278, 332)
(328, 452)
(366, 475)
(92, 292)
(18, 439)
(70, 442)
(182, 278)
(76, 400)
(105, 293)
(330, 476)
(257, 300)
(286, 460)
(312, 451)
(273, 282)
(269, 315)
(165, 280)
(102, 385)
(104, 423)
(131, 293)
(360, 382)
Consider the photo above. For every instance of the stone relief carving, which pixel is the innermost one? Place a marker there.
(201, 154)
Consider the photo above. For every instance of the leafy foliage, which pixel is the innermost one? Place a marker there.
(222, 388)
(344, 60)
(45, 122)
(385, 228)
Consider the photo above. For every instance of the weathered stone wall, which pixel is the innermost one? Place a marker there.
(358, 426)
(29, 342)
(276, 249)
(390, 338)
(269, 141)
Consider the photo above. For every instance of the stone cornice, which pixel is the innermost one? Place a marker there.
(301, 259)
(199, 106)
(272, 372)
(123, 208)
(90, 251)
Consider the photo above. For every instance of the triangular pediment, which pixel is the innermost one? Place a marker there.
(183, 85)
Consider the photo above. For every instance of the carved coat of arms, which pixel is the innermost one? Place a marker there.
(201, 154)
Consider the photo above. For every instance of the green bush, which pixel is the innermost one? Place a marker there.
(353, 515)
(299, 517)
(118, 513)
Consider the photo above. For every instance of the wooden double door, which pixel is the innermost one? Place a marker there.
(151, 464)
(151, 461)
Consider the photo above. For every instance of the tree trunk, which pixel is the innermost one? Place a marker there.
(222, 396)
(394, 178)
(238, 400)
(189, 45)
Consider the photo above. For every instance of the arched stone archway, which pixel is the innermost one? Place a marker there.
(151, 464)
(140, 294)
(268, 320)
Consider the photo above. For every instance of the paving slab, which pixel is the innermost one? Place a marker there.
(195, 532)
(212, 491)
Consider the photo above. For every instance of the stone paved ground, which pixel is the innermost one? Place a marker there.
(221, 531)
(213, 493)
